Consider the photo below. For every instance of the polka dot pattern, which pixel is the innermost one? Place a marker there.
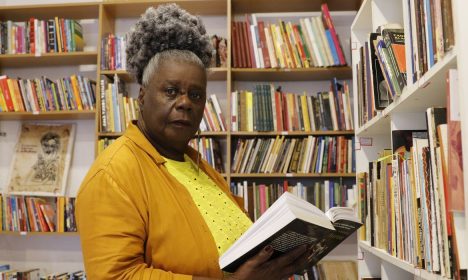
(223, 217)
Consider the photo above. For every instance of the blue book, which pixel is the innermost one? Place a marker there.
(429, 30)
(4, 267)
(336, 59)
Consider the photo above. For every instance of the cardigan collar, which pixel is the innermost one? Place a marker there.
(135, 135)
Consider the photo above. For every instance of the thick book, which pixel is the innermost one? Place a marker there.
(288, 223)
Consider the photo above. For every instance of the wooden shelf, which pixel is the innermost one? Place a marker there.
(293, 74)
(406, 266)
(213, 133)
(291, 133)
(109, 134)
(36, 233)
(214, 74)
(428, 91)
(293, 175)
(132, 9)
(54, 115)
(49, 11)
(278, 6)
(47, 59)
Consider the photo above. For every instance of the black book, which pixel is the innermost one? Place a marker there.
(288, 223)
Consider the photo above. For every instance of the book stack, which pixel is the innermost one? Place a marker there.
(213, 118)
(41, 36)
(409, 198)
(383, 64)
(113, 55)
(431, 34)
(324, 195)
(210, 151)
(267, 108)
(43, 95)
(309, 42)
(323, 154)
(37, 214)
(117, 108)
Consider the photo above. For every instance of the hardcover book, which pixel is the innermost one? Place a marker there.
(288, 223)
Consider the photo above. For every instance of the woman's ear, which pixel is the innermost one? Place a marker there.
(141, 96)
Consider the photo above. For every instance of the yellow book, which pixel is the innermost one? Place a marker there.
(3, 105)
(249, 104)
(110, 109)
(58, 28)
(60, 214)
(277, 45)
(11, 89)
(305, 112)
(294, 45)
(284, 46)
(76, 92)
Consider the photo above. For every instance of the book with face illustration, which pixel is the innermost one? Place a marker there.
(42, 159)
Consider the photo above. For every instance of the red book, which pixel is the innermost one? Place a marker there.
(242, 60)
(278, 106)
(6, 93)
(250, 38)
(32, 45)
(263, 44)
(245, 45)
(64, 35)
(329, 23)
(234, 45)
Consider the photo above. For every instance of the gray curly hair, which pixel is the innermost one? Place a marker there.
(166, 32)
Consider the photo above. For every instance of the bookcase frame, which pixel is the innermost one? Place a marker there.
(107, 12)
(405, 113)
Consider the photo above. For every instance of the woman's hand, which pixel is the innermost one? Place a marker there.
(260, 267)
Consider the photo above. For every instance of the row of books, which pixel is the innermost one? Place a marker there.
(213, 118)
(117, 108)
(113, 55)
(269, 109)
(209, 148)
(324, 195)
(420, 180)
(38, 36)
(381, 70)
(37, 214)
(431, 34)
(312, 42)
(8, 273)
(42, 94)
(323, 154)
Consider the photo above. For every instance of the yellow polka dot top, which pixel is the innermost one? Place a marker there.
(223, 217)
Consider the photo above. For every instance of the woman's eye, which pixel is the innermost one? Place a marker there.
(171, 91)
(196, 95)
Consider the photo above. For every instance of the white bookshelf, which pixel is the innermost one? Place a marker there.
(406, 112)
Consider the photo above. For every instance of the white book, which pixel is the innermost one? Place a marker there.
(288, 223)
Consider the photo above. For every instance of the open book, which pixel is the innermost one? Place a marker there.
(288, 223)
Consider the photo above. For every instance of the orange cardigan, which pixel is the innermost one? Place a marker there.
(136, 221)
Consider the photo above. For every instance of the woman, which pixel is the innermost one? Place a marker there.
(148, 208)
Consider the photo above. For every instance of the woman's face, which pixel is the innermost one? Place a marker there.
(173, 104)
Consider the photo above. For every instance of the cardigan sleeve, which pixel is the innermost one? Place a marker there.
(113, 231)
